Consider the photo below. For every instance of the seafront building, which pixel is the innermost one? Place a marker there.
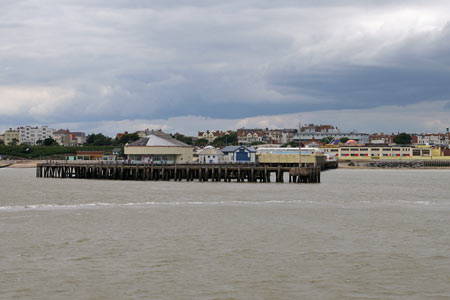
(239, 154)
(92, 155)
(32, 135)
(318, 132)
(267, 136)
(210, 136)
(159, 147)
(11, 136)
(66, 138)
(382, 152)
(210, 155)
(434, 139)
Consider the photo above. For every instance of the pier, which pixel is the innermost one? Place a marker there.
(180, 172)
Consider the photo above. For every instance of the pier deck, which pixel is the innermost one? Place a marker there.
(186, 172)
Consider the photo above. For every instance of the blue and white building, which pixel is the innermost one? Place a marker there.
(239, 154)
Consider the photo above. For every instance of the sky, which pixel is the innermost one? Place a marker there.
(183, 66)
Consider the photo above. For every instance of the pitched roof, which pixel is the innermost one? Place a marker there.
(235, 148)
(210, 151)
(158, 139)
(62, 131)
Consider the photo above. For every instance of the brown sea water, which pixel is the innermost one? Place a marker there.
(360, 234)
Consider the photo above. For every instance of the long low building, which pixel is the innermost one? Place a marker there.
(159, 147)
(384, 152)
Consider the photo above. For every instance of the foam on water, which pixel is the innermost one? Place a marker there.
(99, 205)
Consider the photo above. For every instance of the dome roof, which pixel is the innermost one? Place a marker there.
(351, 142)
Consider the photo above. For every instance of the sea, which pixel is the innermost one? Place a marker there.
(360, 234)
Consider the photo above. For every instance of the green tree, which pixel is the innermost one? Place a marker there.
(182, 138)
(49, 142)
(326, 140)
(403, 139)
(227, 139)
(13, 142)
(344, 140)
(127, 138)
(2, 142)
(201, 142)
(98, 140)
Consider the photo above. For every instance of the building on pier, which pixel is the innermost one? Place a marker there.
(239, 154)
(210, 155)
(159, 147)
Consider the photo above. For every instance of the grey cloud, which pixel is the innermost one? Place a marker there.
(236, 59)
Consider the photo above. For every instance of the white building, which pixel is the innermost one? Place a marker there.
(210, 155)
(30, 135)
(159, 147)
(211, 135)
(434, 139)
(239, 154)
(318, 132)
(362, 138)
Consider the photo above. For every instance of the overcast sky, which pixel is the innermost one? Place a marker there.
(115, 65)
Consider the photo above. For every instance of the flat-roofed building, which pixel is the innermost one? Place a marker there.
(379, 152)
(434, 139)
(159, 147)
(318, 132)
(31, 135)
(11, 137)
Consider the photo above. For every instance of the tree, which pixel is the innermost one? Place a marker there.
(326, 140)
(127, 138)
(344, 140)
(201, 142)
(98, 140)
(403, 139)
(39, 142)
(182, 138)
(2, 142)
(13, 142)
(227, 139)
(50, 142)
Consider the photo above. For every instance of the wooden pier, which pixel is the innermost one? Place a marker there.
(185, 172)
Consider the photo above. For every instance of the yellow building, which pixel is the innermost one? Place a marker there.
(383, 152)
(159, 147)
(11, 136)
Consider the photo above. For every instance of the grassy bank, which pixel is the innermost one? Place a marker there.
(43, 152)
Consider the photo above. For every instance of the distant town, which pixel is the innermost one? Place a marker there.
(214, 146)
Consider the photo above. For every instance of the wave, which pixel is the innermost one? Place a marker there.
(97, 205)
(149, 203)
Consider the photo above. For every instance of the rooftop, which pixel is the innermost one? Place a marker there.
(158, 138)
